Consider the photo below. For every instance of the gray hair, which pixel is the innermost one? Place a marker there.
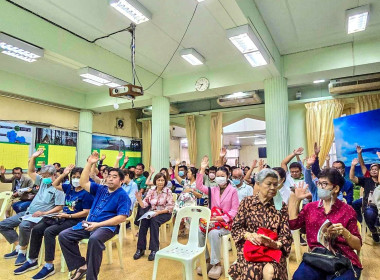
(48, 169)
(238, 169)
(263, 174)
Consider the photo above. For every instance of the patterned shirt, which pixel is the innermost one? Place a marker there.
(313, 216)
(159, 201)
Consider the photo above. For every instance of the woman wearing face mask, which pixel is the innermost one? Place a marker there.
(343, 231)
(224, 197)
(77, 206)
(258, 218)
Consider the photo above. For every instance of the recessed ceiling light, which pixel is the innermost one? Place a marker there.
(19, 49)
(192, 56)
(357, 19)
(132, 9)
(318, 81)
(246, 41)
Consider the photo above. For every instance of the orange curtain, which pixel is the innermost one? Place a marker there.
(366, 103)
(216, 130)
(191, 135)
(147, 141)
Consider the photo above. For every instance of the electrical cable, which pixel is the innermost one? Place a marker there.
(179, 44)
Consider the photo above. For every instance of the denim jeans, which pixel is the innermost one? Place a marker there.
(357, 205)
(7, 229)
(370, 216)
(305, 271)
(21, 206)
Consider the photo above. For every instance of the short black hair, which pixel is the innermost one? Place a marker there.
(119, 172)
(295, 165)
(132, 166)
(158, 176)
(142, 165)
(333, 176)
(247, 167)
(57, 163)
(225, 170)
(17, 168)
(182, 166)
(227, 166)
(60, 170)
(193, 170)
(146, 174)
(281, 171)
(128, 173)
(76, 170)
(103, 165)
(341, 162)
(212, 168)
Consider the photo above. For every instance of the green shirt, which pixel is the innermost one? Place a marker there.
(140, 181)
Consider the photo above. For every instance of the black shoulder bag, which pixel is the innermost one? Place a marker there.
(209, 197)
(326, 261)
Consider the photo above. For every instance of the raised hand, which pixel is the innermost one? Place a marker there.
(119, 156)
(138, 196)
(254, 164)
(359, 149)
(300, 190)
(68, 169)
(152, 170)
(38, 153)
(354, 162)
(2, 170)
(93, 158)
(103, 157)
(328, 158)
(298, 151)
(310, 160)
(177, 162)
(223, 152)
(204, 162)
(317, 149)
(126, 159)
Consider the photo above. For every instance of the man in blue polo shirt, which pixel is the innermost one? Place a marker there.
(110, 208)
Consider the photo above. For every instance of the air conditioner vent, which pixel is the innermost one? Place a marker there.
(355, 84)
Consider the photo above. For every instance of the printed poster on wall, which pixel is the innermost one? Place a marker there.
(15, 133)
(360, 129)
(56, 137)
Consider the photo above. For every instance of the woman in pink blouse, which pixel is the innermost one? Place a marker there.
(160, 200)
(225, 197)
(344, 229)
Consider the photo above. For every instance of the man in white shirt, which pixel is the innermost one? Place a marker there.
(243, 189)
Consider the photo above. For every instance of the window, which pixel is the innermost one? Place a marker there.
(231, 156)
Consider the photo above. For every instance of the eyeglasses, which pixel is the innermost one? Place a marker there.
(322, 184)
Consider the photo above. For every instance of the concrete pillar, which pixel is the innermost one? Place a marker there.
(84, 145)
(160, 132)
(276, 118)
(202, 125)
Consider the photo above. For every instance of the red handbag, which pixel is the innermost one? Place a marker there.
(255, 253)
(215, 211)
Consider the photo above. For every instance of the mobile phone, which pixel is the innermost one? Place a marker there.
(265, 237)
(85, 225)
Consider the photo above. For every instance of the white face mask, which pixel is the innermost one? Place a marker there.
(221, 180)
(75, 182)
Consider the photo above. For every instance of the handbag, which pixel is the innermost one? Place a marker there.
(326, 261)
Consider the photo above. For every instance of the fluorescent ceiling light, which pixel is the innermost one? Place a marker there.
(92, 82)
(99, 78)
(357, 19)
(245, 137)
(318, 81)
(19, 49)
(132, 9)
(200, 1)
(192, 56)
(255, 59)
(246, 41)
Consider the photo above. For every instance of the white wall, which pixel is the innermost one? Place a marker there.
(249, 153)
(174, 149)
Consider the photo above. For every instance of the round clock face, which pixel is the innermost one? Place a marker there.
(202, 84)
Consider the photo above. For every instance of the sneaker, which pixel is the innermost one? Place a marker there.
(11, 255)
(376, 237)
(302, 241)
(44, 273)
(26, 267)
(199, 269)
(21, 259)
(215, 272)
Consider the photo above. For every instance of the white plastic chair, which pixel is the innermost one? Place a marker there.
(170, 223)
(186, 254)
(131, 221)
(6, 198)
(226, 256)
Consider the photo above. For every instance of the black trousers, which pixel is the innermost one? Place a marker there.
(154, 226)
(69, 239)
(49, 232)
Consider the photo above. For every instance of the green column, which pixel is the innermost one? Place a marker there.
(202, 126)
(160, 132)
(276, 118)
(84, 137)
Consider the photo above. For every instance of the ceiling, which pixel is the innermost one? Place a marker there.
(299, 25)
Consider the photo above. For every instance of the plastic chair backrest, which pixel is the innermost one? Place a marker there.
(195, 213)
(6, 198)
(175, 196)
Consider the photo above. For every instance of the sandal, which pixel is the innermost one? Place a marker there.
(81, 271)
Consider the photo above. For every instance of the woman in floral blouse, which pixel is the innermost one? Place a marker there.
(255, 213)
(160, 200)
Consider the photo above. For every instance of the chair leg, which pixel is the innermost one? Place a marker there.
(155, 267)
(297, 245)
(364, 229)
(109, 251)
(163, 231)
(63, 263)
(189, 272)
(133, 230)
(202, 260)
(120, 253)
(287, 268)
(226, 260)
